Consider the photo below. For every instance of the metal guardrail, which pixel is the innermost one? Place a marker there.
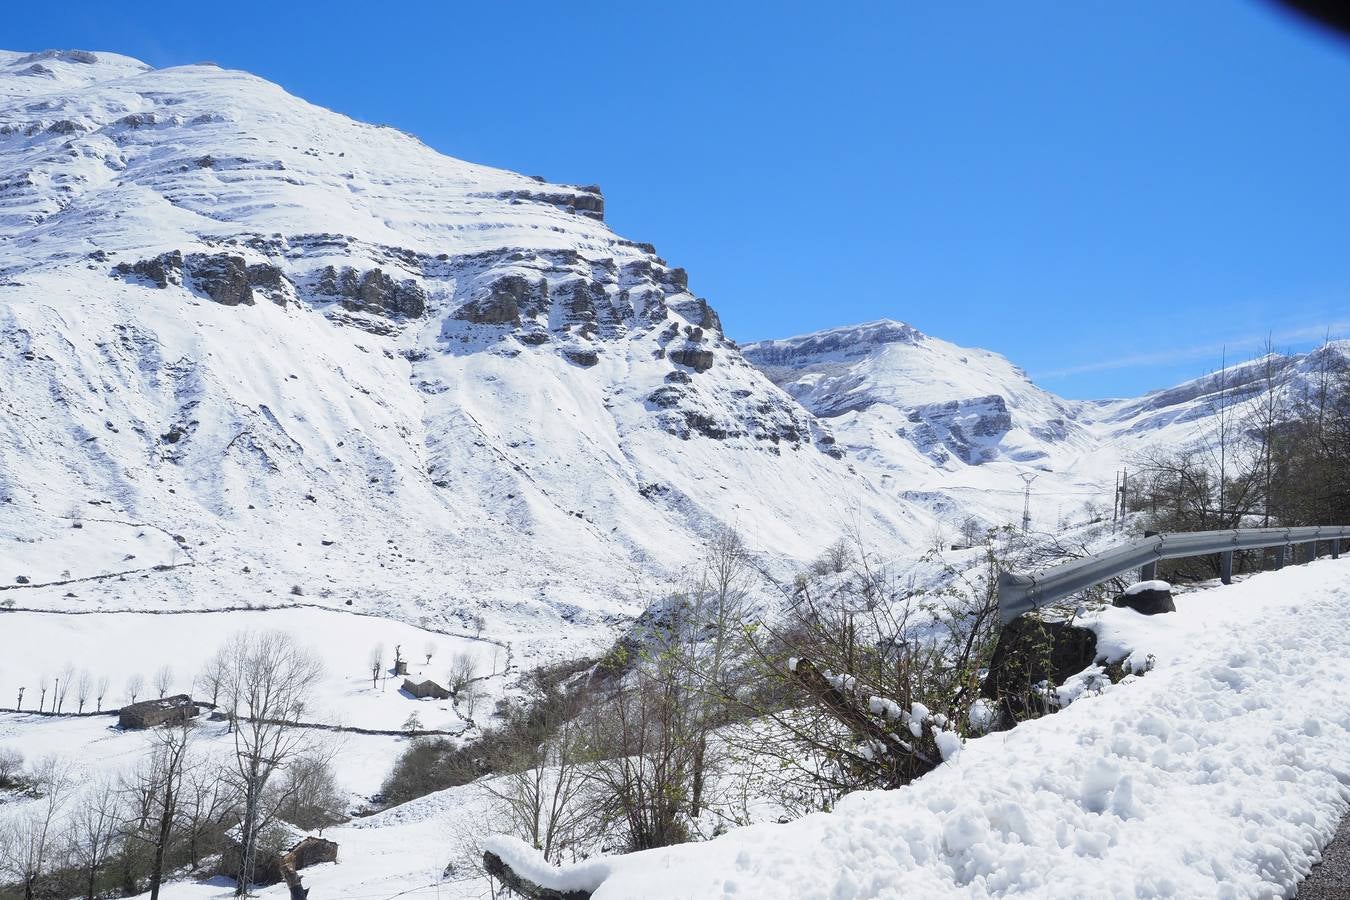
(1018, 594)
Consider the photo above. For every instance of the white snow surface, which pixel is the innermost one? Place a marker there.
(118, 645)
(552, 473)
(954, 428)
(1156, 584)
(1220, 773)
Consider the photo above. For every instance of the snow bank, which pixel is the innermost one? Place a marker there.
(1140, 586)
(529, 863)
(1220, 773)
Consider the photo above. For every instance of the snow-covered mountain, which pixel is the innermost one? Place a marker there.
(273, 352)
(332, 361)
(955, 428)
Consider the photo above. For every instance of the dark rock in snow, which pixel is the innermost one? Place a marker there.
(269, 281)
(1148, 597)
(505, 299)
(1030, 651)
(223, 278)
(373, 291)
(162, 270)
(693, 357)
(581, 356)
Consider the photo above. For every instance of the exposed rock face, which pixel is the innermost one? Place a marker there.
(700, 313)
(1030, 651)
(163, 270)
(268, 280)
(582, 356)
(968, 429)
(582, 201)
(222, 277)
(373, 291)
(695, 358)
(504, 300)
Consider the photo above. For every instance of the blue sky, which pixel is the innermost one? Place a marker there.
(1108, 193)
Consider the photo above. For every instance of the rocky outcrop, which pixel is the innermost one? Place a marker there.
(373, 291)
(162, 270)
(967, 429)
(582, 201)
(582, 356)
(504, 300)
(268, 280)
(700, 313)
(698, 359)
(222, 277)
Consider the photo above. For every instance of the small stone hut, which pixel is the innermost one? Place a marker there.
(428, 688)
(269, 866)
(162, 711)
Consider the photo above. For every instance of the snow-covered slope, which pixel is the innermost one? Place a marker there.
(1220, 773)
(955, 428)
(328, 359)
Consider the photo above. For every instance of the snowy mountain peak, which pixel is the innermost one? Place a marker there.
(266, 327)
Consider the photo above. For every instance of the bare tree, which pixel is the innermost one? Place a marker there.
(157, 782)
(211, 679)
(468, 698)
(63, 685)
(163, 679)
(101, 691)
(83, 684)
(95, 828)
(645, 742)
(312, 797)
(135, 682)
(546, 800)
(271, 679)
(376, 663)
(205, 803)
(33, 836)
(429, 648)
(461, 672)
(42, 692)
(11, 766)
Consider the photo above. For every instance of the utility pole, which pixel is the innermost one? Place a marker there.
(1115, 502)
(1122, 482)
(1026, 500)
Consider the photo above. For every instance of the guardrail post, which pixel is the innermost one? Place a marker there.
(1149, 570)
(1280, 553)
(1226, 567)
(1336, 548)
(1312, 551)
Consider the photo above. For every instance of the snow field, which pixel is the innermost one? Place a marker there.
(120, 645)
(46, 549)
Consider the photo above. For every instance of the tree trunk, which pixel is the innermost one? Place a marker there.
(293, 884)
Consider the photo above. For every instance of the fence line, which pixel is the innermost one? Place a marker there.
(1018, 594)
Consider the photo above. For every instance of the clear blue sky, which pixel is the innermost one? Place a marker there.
(1106, 192)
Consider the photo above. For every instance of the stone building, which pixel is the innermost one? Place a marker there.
(428, 688)
(153, 713)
